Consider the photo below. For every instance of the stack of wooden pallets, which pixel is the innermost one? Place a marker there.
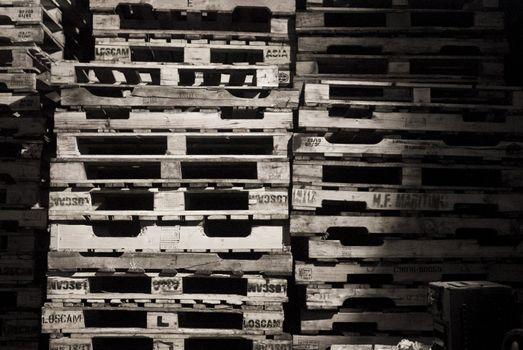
(407, 164)
(170, 185)
(31, 37)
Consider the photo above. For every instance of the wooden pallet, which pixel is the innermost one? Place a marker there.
(411, 248)
(19, 344)
(268, 264)
(23, 127)
(284, 7)
(203, 120)
(309, 199)
(16, 269)
(359, 175)
(24, 57)
(19, 325)
(412, 227)
(401, 45)
(154, 289)
(167, 24)
(175, 146)
(171, 238)
(14, 171)
(327, 297)
(307, 145)
(193, 51)
(315, 321)
(174, 173)
(325, 119)
(315, 5)
(163, 97)
(19, 242)
(17, 82)
(408, 272)
(182, 341)
(262, 204)
(22, 297)
(124, 75)
(399, 94)
(381, 342)
(19, 102)
(387, 21)
(25, 34)
(98, 320)
(20, 195)
(31, 218)
(395, 67)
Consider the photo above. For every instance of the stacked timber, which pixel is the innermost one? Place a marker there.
(407, 164)
(170, 186)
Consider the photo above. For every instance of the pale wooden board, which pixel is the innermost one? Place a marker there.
(20, 101)
(149, 96)
(167, 289)
(172, 238)
(409, 272)
(310, 199)
(324, 342)
(212, 119)
(320, 5)
(408, 226)
(163, 74)
(312, 321)
(166, 321)
(419, 249)
(407, 121)
(18, 81)
(23, 14)
(283, 7)
(24, 34)
(273, 264)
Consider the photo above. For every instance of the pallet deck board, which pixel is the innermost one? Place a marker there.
(325, 342)
(152, 238)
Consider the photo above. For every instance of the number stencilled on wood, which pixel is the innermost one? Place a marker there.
(75, 344)
(162, 320)
(25, 13)
(272, 345)
(419, 201)
(166, 285)
(303, 196)
(169, 237)
(417, 269)
(266, 287)
(56, 319)
(70, 200)
(268, 198)
(24, 35)
(261, 322)
(305, 273)
(58, 285)
(312, 141)
(111, 53)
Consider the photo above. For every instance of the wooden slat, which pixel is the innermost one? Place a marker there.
(31, 218)
(21, 127)
(23, 14)
(316, 5)
(20, 170)
(20, 195)
(23, 297)
(26, 34)
(325, 342)
(20, 101)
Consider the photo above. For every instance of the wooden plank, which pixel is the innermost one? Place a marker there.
(20, 195)
(23, 14)
(182, 341)
(317, 5)
(169, 204)
(400, 94)
(283, 7)
(408, 272)
(18, 242)
(269, 264)
(16, 270)
(308, 199)
(134, 74)
(319, 119)
(18, 81)
(19, 325)
(171, 238)
(310, 145)
(327, 297)
(25, 34)
(204, 172)
(313, 321)
(89, 320)
(420, 249)
(307, 225)
(325, 342)
(149, 96)
(23, 127)
(169, 119)
(406, 45)
(348, 174)
(29, 57)
(32, 218)
(5, 3)
(23, 297)
(20, 101)
(194, 52)
(164, 289)
(20, 170)
(174, 146)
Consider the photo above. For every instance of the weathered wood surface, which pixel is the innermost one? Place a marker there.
(30, 218)
(25, 34)
(316, 5)
(23, 127)
(20, 170)
(20, 101)
(325, 342)
(20, 195)
(23, 297)
(23, 14)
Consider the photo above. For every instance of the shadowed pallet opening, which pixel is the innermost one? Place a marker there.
(194, 170)
(121, 284)
(218, 343)
(122, 145)
(227, 228)
(209, 285)
(123, 170)
(116, 228)
(8, 299)
(128, 201)
(217, 201)
(209, 320)
(367, 175)
(369, 304)
(134, 343)
(229, 145)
